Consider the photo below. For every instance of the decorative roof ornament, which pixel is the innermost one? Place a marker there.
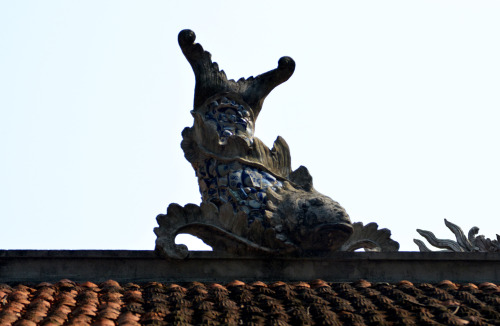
(471, 243)
(252, 201)
(370, 238)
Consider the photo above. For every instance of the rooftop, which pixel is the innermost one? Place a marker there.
(238, 303)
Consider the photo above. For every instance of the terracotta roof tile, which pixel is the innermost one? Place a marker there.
(259, 284)
(447, 285)
(235, 283)
(279, 303)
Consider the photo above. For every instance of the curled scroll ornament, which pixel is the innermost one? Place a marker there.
(471, 243)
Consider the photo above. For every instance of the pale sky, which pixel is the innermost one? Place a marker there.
(394, 107)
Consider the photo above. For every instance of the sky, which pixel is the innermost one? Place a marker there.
(394, 107)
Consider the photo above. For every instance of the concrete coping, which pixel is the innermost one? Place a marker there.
(206, 266)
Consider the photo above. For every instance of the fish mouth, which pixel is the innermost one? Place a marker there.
(340, 227)
(327, 237)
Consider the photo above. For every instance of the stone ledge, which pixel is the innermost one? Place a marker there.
(203, 266)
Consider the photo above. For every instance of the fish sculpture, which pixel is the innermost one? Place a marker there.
(252, 201)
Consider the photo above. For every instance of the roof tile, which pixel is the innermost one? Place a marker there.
(279, 303)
